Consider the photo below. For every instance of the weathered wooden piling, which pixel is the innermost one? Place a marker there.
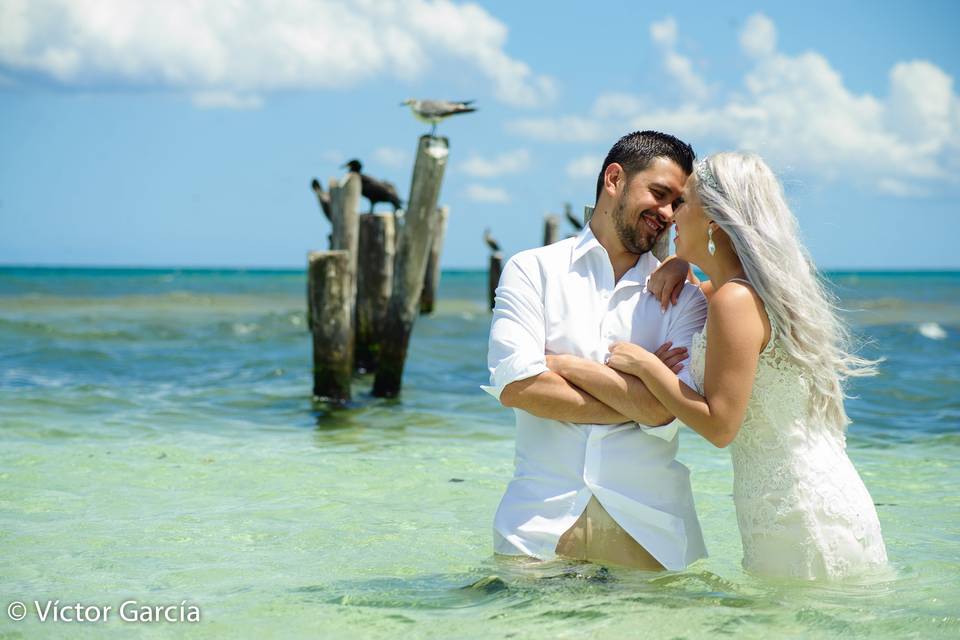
(575, 222)
(374, 284)
(329, 300)
(323, 199)
(662, 247)
(411, 262)
(344, 208)
(493, 277)
(431, 277)
(398, 218)
(551, 229)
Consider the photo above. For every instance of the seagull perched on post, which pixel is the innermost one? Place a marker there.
(434, 111)
(323, 197)
(494, 246)
(375, 190)
(572, 219)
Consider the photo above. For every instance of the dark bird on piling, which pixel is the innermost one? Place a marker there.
(375, 190)
(434, 111)
(494, 246)
(572, 219)
(322, 197)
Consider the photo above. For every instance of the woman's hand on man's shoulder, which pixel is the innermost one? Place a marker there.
(666, 283)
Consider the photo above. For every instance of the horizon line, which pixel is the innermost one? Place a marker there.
(292, 269)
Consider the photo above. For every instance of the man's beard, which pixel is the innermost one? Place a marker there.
(634, 239)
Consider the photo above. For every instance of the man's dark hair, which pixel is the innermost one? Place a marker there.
(634, 152)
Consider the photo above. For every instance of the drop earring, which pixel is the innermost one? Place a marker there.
(711, 247)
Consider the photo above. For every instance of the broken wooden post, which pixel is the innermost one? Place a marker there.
(661, 249)
(323, 199)
(551, 229)
(411, 263)
(374, 283)
(574, 222)
(329, 301)
(344, 206)
(493, 277)
(432, 275)
(398, 217)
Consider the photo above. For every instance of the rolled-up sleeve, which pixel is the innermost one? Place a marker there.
(517, 337)
(686, 318)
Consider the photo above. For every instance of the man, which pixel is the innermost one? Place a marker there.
(597, 480)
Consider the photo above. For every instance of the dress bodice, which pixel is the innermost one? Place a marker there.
(776, 425)
(802, 509)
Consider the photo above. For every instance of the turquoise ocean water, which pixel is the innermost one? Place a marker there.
(159, 444)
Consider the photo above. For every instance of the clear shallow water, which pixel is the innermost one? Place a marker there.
(159, 444)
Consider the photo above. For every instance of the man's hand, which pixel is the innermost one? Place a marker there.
(673, 358)
(627, 357)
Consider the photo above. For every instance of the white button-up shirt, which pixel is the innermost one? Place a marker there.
(562, 298)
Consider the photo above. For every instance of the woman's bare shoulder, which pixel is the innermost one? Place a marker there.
(738, 307)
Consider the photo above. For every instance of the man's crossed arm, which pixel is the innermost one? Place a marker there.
(563, 388)
(582, 391)
(549, 395)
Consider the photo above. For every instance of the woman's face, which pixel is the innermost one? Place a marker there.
(691, 225)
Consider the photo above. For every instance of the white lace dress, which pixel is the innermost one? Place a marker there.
(802, 508)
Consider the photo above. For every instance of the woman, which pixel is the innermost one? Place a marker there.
(769, 367)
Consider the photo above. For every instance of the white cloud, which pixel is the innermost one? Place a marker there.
(679, 67)
(611, 106)
(470, 33)
(226, 100)
(921, 102)
(481, 193)
(391, 157)
(509, 162)
(587, 166)
(259, 46)
(894, 187)
(796, 111)
(758, 36)
(682, 71)
(333, 155)
(564, 129)
(664, 32)
(616, 105)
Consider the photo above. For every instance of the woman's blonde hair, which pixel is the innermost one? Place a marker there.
(742, 195)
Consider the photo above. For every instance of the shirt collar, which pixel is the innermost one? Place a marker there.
(637, 274)
(640, 272)
(586, 242)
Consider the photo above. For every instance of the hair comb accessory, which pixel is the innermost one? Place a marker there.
(704, 174)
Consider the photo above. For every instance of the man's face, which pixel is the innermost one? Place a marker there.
(644, 209)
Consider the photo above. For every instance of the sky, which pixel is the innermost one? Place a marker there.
(186, 133)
